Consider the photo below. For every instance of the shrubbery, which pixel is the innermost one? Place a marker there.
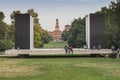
(5, 44)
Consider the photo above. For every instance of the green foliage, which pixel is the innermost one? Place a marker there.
(40, 35)
(3, 27)
(39, 38)
(1, 16)
(46, 37)
(112, 21)
(77, 33)
(5, 31)
(37, 29)
(65, 35)
(5, 44)
(2, 30)
(5, 36)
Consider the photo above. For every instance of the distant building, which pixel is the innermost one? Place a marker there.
(56, 34)
(67, 27)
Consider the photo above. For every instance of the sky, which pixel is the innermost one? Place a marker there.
(49, 10)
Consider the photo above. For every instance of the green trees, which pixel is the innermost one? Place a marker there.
(77, 33)
(7, 32)
(2, 27)
(112, 22)
(46, 37)
(2, 16)
(5, 44)
(5, 37)
(37, 29)
(65, 35)
(112, 27)
(39, 33)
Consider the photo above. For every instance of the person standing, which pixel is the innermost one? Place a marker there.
(113, 49)
(70, 49)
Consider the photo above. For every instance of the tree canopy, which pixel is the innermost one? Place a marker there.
(112, 27)
(77, 33)
(5, 37)
(38, 31)
(112, 22)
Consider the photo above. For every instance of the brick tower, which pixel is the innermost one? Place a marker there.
(56, 34)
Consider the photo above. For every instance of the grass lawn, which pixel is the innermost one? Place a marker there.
(59, 69)
(55, 45)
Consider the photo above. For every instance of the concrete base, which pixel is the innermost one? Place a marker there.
(59, 51)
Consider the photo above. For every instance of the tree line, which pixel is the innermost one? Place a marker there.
(112, 24)
(7, 32)
(76, 35)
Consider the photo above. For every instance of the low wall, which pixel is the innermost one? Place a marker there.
(52, 51)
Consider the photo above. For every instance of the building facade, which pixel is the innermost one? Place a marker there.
(56, 34)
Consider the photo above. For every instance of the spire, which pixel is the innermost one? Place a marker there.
(57, 25)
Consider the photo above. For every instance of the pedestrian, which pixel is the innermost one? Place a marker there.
(66, 48)
(70, 49)
(113, 49)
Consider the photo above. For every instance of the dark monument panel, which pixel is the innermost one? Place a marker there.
(97, 30)
(22, 31)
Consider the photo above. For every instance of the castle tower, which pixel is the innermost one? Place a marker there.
(56, 34)
(57, 25)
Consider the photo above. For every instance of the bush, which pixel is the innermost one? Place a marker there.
(5, 44)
